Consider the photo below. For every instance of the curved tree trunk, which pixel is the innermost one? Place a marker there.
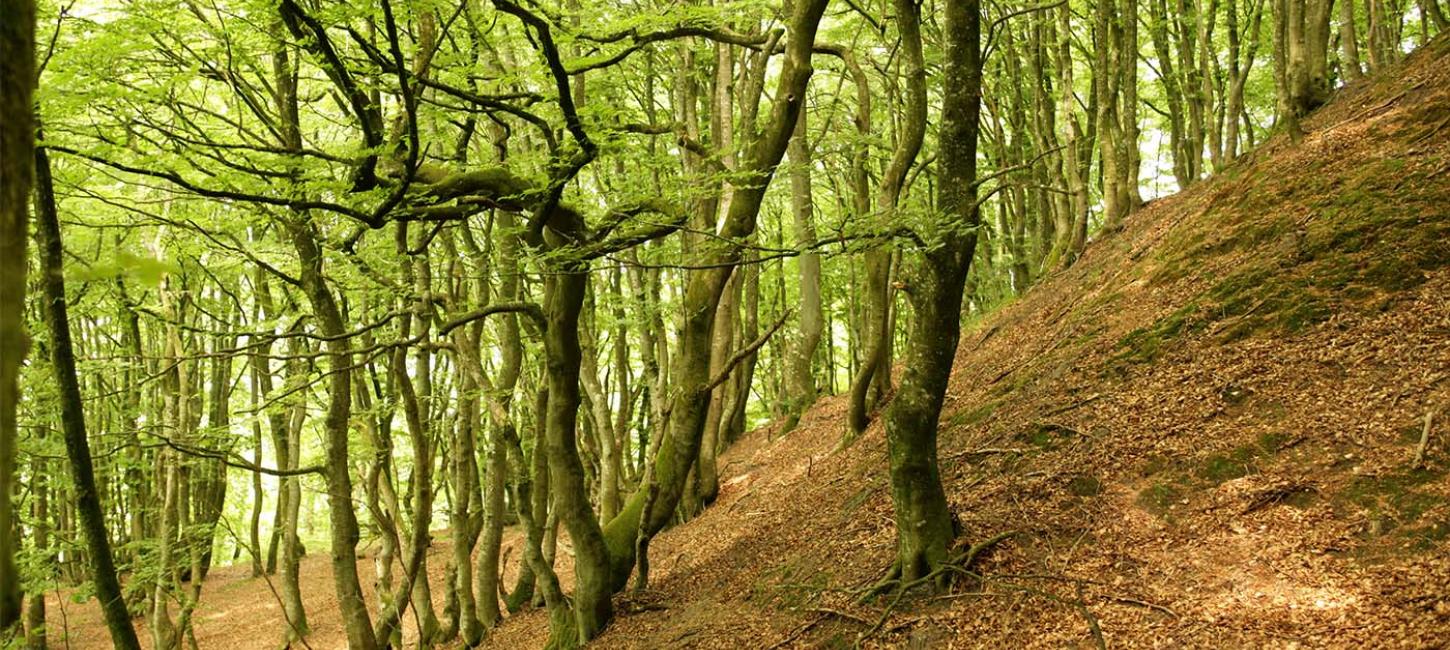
(344, 527)
(690, 368)
(924, 524)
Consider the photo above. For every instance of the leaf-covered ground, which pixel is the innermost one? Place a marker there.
(1203, 434)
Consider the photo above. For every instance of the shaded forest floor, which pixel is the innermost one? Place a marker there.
(1203, 434)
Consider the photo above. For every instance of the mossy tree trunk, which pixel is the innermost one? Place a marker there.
(17, 144)
(923, 519)
(691, 364)
(564, 299)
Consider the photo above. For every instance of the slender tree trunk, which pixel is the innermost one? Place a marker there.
(1428, 8)
(875, 368)
(802, 382)
(1073, 237)
(344, 528)
(689, 375)
(35, 639)
(254, 524)
(73, 425)
(1348, 42)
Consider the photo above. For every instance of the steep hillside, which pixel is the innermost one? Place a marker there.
(1203, 433)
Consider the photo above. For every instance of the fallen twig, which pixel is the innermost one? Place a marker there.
(795, 634)
(1424, 438)
(1075, 405)
(1144, 603)
(986, 451)
(836, 612)
(1097, 630)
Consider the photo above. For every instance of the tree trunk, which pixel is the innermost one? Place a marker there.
(592, 590)
(73, 425)
(802, 382)
(40, 512)
(17, 165)
(344, 532)
(680, 446)
(875, 371)
(1348, 43)
(923, 520)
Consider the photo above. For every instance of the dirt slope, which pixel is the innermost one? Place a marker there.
(1203, 434)
(1203, 431)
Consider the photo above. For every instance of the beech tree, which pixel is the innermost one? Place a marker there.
(326, 278)
(17, 80)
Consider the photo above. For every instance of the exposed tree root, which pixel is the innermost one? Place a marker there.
(960, 564)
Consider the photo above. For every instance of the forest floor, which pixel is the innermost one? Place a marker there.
(1202, 434)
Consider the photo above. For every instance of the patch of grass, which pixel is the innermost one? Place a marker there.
(1085, 485)
(972, 416)
(1219, 468)
(1269, 443)
(1379, 228)
(1045, 436)
(1154, 465)
(1146, 344)
(1160, 497)
(1395, 500)
(1410, 435)
(1427, 537)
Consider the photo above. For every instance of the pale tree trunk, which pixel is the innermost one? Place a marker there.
(466, 502)
(163, 631)
(254, 523)
(599, 414)
(802, 383)
(623, 386)
(499, 398)
(1107, 39)
(1348, 42)
(1073, 237)
(285, 423)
